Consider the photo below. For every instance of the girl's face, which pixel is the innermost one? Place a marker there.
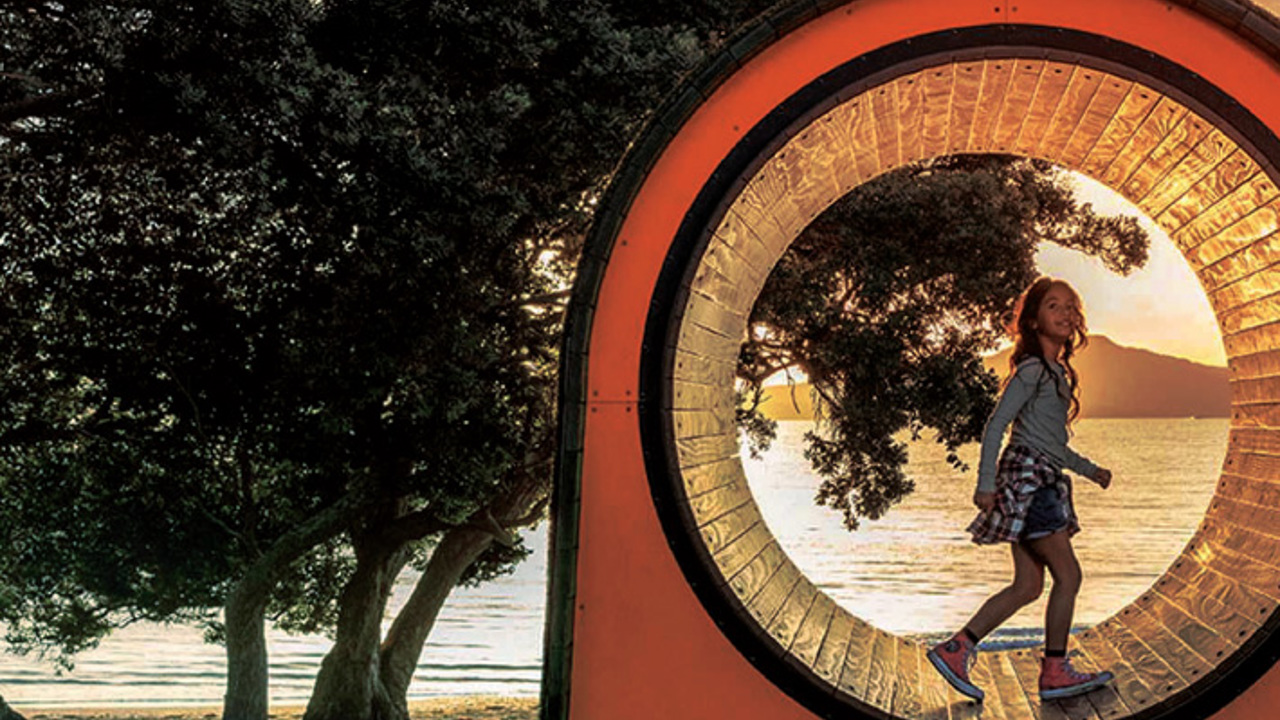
(1058, 316)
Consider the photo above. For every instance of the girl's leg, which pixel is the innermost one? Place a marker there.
(1028, 583)
(1056, 552)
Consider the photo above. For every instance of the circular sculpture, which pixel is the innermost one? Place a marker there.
(1176, 145)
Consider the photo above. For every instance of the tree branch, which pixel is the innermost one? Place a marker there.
(42, 105)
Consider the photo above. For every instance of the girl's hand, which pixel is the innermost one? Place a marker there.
(984, 500)
(1103, 478)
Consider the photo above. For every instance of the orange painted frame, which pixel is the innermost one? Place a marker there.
(643, 646)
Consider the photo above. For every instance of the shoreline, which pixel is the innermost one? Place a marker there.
(460, 707)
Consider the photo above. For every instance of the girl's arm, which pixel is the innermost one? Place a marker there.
(1020, 389)
(1079, 464)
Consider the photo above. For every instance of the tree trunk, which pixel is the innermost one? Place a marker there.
(400, 652)
(349, 685)
(8, 713)
(246, 697)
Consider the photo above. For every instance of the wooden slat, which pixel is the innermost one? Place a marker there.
(1193, 636)
(911, 112)
(698, 340)
(1158, 675)
(769, 204)
(935, 701)
(885, 101)
(995, 80)
(808, 166)
(716, 503)
(703, 478)
(765, 605)
(720, 276)
(718, 532)
(1227, 177)
(1224, 624)
(1239, 264)
(714, 316)
(857, 660)
(1237, 581)
(1173, 148)
(693, 369)
(1253, 340)
(699, 423)
(964, 104)
(835, 646)
(882, 675)
(751, 579)
(1159, 124)
(689, 396)
(1025, 666)
(938, 84)
(1243, 541)
(786, 623)
(697, 451)
(1254, 365)
(1263, 519)
(866, 147)
(1185, 663)
(739, 553)
(1049, 95)
(1101, 655)
(1190, 172)
(1257, 191)
(1259, 226)
(1103, 106)
(1137, 105)
(1104, 702)
(1015, 110)
(1249, 315)
(906, 695)
(1076, 99)
(813, 629)
(1253, 440)
(738, 233)
(993, 705)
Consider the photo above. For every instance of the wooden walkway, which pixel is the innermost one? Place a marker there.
(1221, 209)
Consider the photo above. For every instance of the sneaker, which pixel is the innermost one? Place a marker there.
(953, 659)
(1059, 680)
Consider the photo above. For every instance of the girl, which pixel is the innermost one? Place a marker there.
(1025, 499)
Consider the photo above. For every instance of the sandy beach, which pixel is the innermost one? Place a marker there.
(447, 708)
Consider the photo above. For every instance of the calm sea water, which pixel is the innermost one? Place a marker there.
(912, 572)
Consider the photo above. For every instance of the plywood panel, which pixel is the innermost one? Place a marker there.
(715, 317)
(882, 675)
(698, 423)
(1128, 685)
(809, 165)
(688, 396)
(1197, 637)
(813, 629)
(907, 702)
(1184, 661)
(1236, 580)
(1240, 264)
(1228, 627)
(993, 704)
(935, 701)
(703, 478)
(690, 369)
(715, 503)
(835, 646)
(1259, 226)
(723, 283)
(1245, 316)
(751, 579)
(1253, 440)
(1241, 201)
(765, 605)
(693, 452)
(1255, 365)
(1249, 341)
(717, 532)
(737, 233)
(695, 339)
(739, 553)
(1026, 666)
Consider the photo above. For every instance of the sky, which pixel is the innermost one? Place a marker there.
(1160, 307)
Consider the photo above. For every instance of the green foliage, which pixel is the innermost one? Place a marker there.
(257, 256)
(888, 300)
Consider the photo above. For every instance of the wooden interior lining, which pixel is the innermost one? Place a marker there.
(1221, 211)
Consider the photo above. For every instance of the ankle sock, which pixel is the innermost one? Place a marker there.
(1054, 653)
(973, 639)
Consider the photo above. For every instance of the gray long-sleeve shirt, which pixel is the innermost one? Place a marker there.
(1037, 407)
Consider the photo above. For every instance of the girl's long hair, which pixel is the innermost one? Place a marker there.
(1026, 343)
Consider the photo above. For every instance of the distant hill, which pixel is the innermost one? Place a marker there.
(1115, 381)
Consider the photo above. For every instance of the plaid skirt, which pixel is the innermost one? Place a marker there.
(1020, 475)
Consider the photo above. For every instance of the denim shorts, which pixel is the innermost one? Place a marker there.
(1046, 516)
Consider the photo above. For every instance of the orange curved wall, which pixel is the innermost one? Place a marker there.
(643, 647)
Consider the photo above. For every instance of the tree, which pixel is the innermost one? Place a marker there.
(280, 302)
(888, 300)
